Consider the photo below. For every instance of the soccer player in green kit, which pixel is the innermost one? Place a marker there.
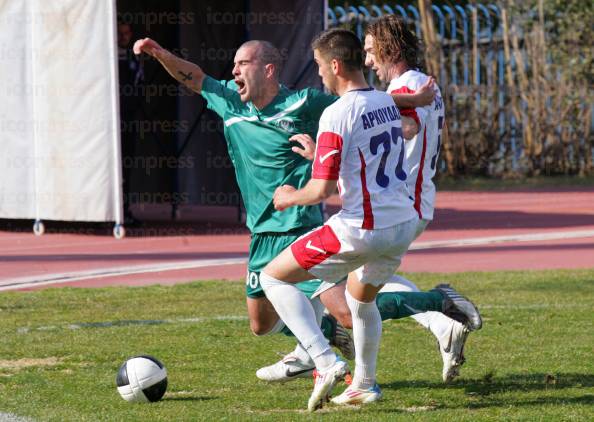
(261, 117)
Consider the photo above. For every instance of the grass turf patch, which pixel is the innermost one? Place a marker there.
(61, 349)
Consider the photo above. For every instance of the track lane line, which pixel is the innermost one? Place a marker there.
(50, 279)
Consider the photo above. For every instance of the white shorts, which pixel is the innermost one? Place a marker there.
(421, 226)
(401, 284)
(332, 251)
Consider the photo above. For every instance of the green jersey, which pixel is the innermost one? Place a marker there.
(259, 147)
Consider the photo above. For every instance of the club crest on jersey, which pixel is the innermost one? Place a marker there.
(380, 116)
(286, 124)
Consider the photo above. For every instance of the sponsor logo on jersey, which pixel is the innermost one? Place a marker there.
(328, 156)
(325, 156)
(315, 248)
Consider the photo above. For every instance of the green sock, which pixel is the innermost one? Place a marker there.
(287, 332)
(327, 327)
(395, 305)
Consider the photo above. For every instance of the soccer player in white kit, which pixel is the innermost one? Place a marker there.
(392, 51)
(360, 148)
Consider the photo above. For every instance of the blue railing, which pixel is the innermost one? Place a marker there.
(463, 72)
(455, 29)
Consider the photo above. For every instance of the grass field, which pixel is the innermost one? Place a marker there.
(60, 350)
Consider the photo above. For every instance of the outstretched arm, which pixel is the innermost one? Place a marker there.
(423, 97)
(314, 192)
(189, 74)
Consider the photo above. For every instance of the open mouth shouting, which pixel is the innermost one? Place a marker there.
(241, 87)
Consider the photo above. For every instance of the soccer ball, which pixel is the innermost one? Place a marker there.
(142, 379)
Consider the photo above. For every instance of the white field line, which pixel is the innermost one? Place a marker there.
(475, 241)
(87, 244)
(109, 324)
(49, 279)
(11, 417)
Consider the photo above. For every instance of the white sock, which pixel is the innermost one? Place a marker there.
(367, 332)
(297, 312)
(318, 308)
(299, 352)
(436, 322)
(399, 284)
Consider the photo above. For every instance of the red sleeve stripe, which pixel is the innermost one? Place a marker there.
(412, 113)
(315, 247)
(326, 163)
(367, 210)
(419, 183)
(408, 112)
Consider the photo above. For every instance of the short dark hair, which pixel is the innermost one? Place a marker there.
(267, 53)
(394, 41)
(342, 45)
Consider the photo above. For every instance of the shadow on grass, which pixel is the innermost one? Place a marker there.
(479, 391)
(587, 399)
(491, 384)
(189, 398)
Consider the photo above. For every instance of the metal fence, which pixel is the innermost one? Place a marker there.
(472, 67)
(455, 25)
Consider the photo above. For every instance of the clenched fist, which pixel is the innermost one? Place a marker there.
(282, 197)
(148, 46)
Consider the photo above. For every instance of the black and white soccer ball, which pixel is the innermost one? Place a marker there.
(142, 379)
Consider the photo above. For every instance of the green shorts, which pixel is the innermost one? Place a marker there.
(264, 247)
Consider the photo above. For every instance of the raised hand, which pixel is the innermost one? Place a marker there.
(427, 91)
(148, 46)
(309, 147)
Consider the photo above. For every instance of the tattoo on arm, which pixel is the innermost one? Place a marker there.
(186, 76)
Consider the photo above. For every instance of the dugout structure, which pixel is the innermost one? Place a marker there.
(59, 115)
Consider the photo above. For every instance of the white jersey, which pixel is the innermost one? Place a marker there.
(360, 144)
(422, 151)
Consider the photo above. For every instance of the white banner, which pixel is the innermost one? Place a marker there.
(17, 189)
(60, 147)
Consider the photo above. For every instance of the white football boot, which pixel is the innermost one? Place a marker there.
(354, 396)
(451, 347)
(324, 382)
(288, 368)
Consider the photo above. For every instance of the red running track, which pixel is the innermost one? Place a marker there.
(472, 231)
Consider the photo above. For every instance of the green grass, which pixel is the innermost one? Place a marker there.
(533, 359)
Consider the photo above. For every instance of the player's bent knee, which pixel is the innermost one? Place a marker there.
(265, 328)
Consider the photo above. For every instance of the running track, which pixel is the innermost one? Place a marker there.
(472, 231)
